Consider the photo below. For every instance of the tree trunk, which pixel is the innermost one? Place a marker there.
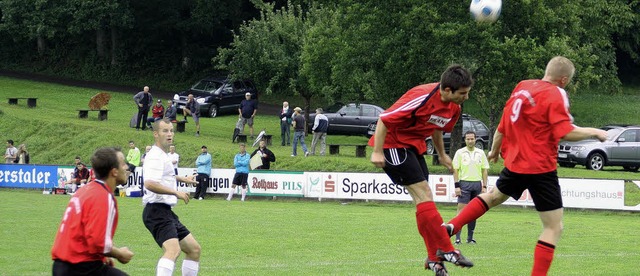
(100, 38)
(114, 37)
(41, 45)
(185, 61)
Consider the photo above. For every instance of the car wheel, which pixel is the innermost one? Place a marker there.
(480, 145)
(595, 161)
(631, 168)
(430, 148)
(566, 165)
(213, 111)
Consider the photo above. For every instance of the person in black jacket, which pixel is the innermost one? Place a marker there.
(267, 156)
(320, 126)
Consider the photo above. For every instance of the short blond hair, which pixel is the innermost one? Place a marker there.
(559, 67)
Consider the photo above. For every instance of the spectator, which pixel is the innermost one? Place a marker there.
(285, 123)
(133, 157)
(80, 177)
(267, 156)
(156, 113)
(170, 112)
(298, 132)
(203, 162)
(22, 157)
(192, 108)
(247, 111)
(146, 150)
(241, 162)
(143, 100)
(10, 154)
(84, 242)
(174, 157)
(320, 126)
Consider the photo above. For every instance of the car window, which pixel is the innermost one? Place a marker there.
(227, 88)
(350, 110)
(479, 126)
(249, 85)
(237, 85)
(369, 111)
(629, 135)
(201, 85)
(213, 86)
(612, 133)
(466, 126)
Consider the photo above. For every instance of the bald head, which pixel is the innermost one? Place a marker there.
(559, 71)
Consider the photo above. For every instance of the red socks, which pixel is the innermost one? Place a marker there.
(542, 258)
(430, 227)
(475, 209)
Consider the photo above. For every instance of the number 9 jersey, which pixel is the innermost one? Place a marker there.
(533, 121)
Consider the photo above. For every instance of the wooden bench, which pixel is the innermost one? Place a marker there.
(361, 150)
(180, 125)
(103, 114)
(31, 102)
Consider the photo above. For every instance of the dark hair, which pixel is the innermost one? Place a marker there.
(10, 142)
(103, 160)
(456, 77)
(131, 142)
(469, 132)
(78, 157)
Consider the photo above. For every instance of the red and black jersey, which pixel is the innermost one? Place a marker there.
(533, 121)
(415, 116)
(87, 228)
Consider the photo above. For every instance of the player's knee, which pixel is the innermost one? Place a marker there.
(194, 251)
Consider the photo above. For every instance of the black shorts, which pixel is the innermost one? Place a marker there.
(163, 223)
(544, 188)
(405, 166)
(240, 179)
(62, 268)
(469, 190)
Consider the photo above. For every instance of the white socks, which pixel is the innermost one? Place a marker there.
(165, 267)
(230, 195)
(244, 194)
(190, 268)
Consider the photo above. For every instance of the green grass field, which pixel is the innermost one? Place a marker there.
(298, 237)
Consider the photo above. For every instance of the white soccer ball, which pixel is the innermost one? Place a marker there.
(485, 10)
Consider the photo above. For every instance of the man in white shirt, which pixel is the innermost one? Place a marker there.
(10, 154)
(160, 196)
(174, 157)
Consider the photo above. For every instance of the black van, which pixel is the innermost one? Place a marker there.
(217, 95)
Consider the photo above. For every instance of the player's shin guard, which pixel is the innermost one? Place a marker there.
(432, 247)
(542, 258)
(475, 209)
(165, 267)
(190, 268)
(244, 194)
(428, 216)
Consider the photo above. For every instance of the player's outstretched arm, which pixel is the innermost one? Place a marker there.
(494, 154)
(581, 133)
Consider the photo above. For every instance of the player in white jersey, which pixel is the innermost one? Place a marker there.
(160, 195)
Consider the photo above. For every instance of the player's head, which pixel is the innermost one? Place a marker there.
(455, 83)
(559, 71)
(243, 147)
(163, 133)
(109, 162)
(470, 139)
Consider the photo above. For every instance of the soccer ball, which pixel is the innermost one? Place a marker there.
(485, 10)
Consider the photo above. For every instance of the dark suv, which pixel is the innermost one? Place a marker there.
(216, 95)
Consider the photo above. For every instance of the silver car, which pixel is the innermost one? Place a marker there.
(621, 149)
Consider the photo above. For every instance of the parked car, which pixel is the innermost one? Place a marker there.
(468, 124)
(350, 119)
(621, 149)
(216, 95)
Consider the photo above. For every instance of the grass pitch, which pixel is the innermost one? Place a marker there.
(294, 237)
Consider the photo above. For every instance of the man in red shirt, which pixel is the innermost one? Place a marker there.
(84, 241)
(398, 147)
(534, 120)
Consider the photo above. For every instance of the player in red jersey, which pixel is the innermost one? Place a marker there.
(534, 120)
(399, 144)
(84, 241)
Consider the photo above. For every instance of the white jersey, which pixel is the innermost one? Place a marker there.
(174, 157)
(158, 167)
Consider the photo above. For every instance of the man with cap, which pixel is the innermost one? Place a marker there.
(203, 162)
(320, 126)
(247, 111)
(157, 112)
